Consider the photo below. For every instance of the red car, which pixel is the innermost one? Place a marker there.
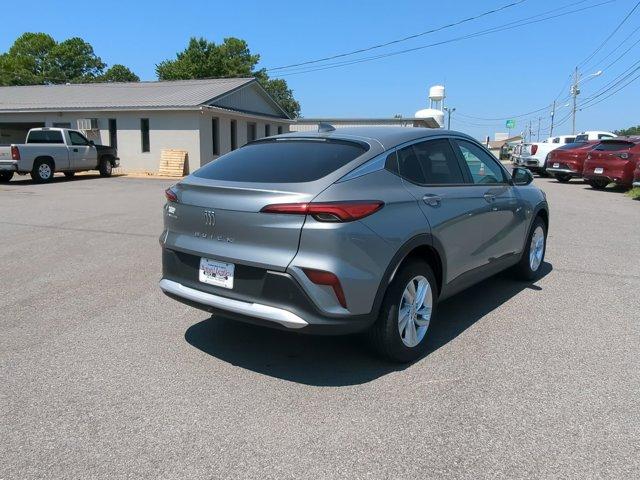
(636, 175)
(612, 161)
(567, 161)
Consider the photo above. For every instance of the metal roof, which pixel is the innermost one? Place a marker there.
(429, 122)
(165, 95)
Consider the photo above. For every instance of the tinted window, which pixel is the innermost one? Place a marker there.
(482, 167)
(569, 139)
(582, 138)
(77, 139)
(612, 146)
(570, 146)
(432, 162)
(555, 140)
(233, 132)
(45, 136)
(215, 136)
(144, 135)
(289, 161)
(113, 133)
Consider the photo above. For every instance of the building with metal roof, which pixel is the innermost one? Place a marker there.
(205, 118)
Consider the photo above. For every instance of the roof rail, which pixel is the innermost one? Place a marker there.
(325, 127)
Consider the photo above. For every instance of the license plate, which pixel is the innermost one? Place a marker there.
(216, 273)
(598, 170)
(556, 165)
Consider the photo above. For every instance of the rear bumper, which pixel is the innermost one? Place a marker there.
(564, 171)
(259, 296)
(8, 166)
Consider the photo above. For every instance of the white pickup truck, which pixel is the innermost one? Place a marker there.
(534, 155)
(50, 150)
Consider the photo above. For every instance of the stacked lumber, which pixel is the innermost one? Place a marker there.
(173, 163)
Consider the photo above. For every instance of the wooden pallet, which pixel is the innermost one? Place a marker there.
(174, 163)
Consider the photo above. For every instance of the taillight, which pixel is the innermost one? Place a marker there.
(328, 211)
(15, 153)
(320, 277)
(171, 195)
(534, 149)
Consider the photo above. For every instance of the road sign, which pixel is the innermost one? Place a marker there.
(511, 124)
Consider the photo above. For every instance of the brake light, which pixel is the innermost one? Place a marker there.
(15, 153)
(320, 277)
(328, 211)
(171, 195)
(534, 149)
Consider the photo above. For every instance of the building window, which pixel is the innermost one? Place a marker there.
(113, 133)
(234, 134)
(267, 130)
(279, 129)
(144, 134)
(215, 136)
(251, 132)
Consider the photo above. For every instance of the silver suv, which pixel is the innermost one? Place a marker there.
(349, 230)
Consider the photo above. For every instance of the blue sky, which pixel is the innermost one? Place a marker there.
(498, 75)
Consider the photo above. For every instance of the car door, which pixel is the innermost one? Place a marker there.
(82, 153)
(505, 225)
(454, 210)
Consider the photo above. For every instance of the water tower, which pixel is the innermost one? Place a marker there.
(436, 105)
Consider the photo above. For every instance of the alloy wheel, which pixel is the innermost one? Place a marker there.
(414, 312)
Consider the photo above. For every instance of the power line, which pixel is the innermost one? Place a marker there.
(508, 26)
(615, 30)
(399, 40)
(615, 91)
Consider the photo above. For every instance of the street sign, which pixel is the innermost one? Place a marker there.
(511, 124)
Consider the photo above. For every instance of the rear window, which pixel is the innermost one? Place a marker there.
(613, 146)
(289, 161)
(582, 138)
(571, 146)
(569, 139)
(45, 136)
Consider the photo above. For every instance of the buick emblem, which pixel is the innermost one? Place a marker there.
(209, 218)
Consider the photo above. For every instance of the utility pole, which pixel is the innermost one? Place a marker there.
(538, 135)
(530, 133)
(449, 111)
(553, 114)
(574, 92)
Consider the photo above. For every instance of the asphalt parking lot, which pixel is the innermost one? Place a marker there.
(104, 377)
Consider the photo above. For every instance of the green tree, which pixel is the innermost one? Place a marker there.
(37, 59)
(628, 131)
(231, 58)
(118, 73)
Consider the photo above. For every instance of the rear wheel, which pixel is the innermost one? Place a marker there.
(105, 167)
(400, 333)
(6, 177)
(42, 171)
(528, 268)
(598, 184)
(69, 174)
(563, 177)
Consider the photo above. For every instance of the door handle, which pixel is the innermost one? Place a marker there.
(75, 149)
(489, 197)
(432, 200)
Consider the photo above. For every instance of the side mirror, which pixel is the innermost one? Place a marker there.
(521, 176)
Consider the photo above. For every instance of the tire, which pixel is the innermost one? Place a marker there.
(42, 171)
(385, 335)
(563, 177)
(105, 167)
(5, 177)
(529, 266)
(598, 184)
(69, 174)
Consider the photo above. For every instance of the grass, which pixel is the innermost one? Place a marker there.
(634, 193)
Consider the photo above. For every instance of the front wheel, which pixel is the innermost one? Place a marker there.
(563, 177)
(400, 333)
(6, 177)
(105, 168)
(528, 268)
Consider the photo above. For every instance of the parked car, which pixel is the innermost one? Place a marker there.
(533, 155)
(368, 233)
(567, 162)
(50, 150)
(636, 175)
(613, 160)
(594, 135)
